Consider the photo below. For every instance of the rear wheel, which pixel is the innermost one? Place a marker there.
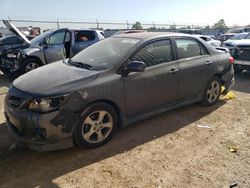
(212, 92)
(99, 122)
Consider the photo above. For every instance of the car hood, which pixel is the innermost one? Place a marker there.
(13, 28)
(243, 42)
(55, 78)
(229, 41)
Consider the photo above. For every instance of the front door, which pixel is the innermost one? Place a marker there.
(158, 84)
(55, 49)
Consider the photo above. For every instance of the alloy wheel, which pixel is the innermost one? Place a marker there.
(97, 126)
(31, 66)
(213, 92)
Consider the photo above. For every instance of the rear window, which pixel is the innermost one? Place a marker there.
(83, 36)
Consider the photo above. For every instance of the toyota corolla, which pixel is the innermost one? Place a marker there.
(112, 84)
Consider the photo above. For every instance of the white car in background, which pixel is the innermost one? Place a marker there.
(210, 40)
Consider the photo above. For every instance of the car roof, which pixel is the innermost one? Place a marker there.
(151, 35)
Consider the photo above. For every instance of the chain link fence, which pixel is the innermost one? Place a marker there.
(108, 27)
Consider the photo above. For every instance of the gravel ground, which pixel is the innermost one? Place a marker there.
(173, 149)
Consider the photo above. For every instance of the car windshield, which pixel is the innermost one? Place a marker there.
(106, 53)
(239, 36)
(40, 37)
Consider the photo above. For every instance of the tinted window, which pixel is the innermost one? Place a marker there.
(189, 48)
(56, 38)
(206, 38)
(155, 53)
(13, 40)
(83, 36)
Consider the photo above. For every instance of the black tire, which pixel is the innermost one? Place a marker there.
(24, 68)
(86, 129)
(210, 96)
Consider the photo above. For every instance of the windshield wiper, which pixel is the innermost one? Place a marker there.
(80, 64)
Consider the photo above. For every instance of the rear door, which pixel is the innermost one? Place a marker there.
(83, 39)
(158, 84)
(196, 66)
(54, 51)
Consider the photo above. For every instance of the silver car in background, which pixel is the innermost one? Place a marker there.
(51, 46)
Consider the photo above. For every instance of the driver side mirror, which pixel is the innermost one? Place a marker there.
(134, 66)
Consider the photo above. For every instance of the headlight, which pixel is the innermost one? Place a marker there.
(46, 104)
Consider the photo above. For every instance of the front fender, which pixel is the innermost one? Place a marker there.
(33, 52)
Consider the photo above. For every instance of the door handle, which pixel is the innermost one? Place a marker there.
(173, 70)
(208, 62)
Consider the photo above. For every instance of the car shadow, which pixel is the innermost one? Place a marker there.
(242, 82)
(39, 169)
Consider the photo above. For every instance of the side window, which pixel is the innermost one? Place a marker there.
(56, 38)
(190, 48)
(155, 53)
(83, 36)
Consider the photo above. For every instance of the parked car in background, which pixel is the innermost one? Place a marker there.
(48, 47)
(112, 84)
(224, 37)
(239, 30)
(191, 31)
(240, 36)
(128, 32)
(210, 40)
(241, 53)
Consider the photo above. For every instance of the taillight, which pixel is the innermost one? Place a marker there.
(231, 60)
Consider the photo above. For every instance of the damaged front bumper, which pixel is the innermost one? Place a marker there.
(10, 64)
(36, 131)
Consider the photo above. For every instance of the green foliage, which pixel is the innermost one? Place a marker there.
(137, 26)
(220, 24)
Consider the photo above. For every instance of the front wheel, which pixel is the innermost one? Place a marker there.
(212, 92)
(99, 122)
(29, 65)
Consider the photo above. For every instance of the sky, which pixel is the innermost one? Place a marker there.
(196, 12)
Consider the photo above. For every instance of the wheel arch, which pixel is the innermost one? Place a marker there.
(111, 103)
(219, 75)
(34, 57)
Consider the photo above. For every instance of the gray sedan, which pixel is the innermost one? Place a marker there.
(112, 84)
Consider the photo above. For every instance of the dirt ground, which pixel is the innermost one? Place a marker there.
(170, 150)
